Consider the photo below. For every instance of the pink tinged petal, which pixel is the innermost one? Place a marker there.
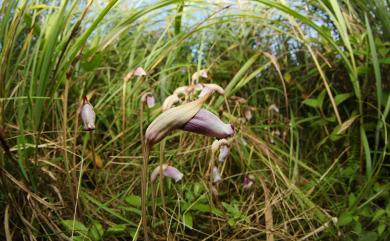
(150, 101)
(216, 175)
(201, 73)
(139, 71)
(173, 173)
(88, 117)
(208, 124)
(223, 153)
(168, 171)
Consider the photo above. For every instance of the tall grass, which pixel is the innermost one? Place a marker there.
(321, 162)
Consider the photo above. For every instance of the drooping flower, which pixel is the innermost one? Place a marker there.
(188, 117)
(222, 146)
(216, 175)
(223, 153)
(206, 88)
(206, 123)
(168, 171)
(169, 102)
(248, 181)
(139, 71)
(201, 73)
(248, 114)
(148, 99)
(88, 116)
(274, 108)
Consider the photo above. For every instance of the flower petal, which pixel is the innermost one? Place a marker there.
(206, 123)
(168, 171)
(201, 73)
(223, 153)
(173, 173)
(150, 101)
(88, 116)
(216, 175)
(139, 71)
(169, 102)
(172, 119)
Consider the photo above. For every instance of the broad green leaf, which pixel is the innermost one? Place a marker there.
(340, 98)
(315, 103)
(345, 219)
(133, 200)
(75, 225)
(96, 232)
(187, 220)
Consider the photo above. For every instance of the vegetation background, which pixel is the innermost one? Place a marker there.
(321, 163)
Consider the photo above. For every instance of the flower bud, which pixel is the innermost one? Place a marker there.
(148, 99)
(201, 73)
(216, 175)
(87, 115)
(169, 102)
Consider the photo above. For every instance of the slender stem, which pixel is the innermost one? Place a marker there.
(162, 147)
(145, 149)
(64, 137)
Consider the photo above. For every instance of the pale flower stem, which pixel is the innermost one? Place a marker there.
(153, 203)
(124, 112)
(227, 104)
(144, 181)
(145, 150)
(93, 153)
(162, 148)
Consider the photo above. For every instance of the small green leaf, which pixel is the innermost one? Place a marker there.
(96, 232)
(381, 228)
(351, 200)
(368, 236)
(133, 200)
(378, 214)
(312, 103)
(116, 229)
(345, 219)
(78, 226)
(340, 98)
(187, 220)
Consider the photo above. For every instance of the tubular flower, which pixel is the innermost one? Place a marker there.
(223, 153)
(139, 71)
(216, 175)
(201, 73)
(168, 171)
(206, 123)
(148, 99)
(88, 116)
(274, 108)
(223, 147)
(169, 102)
(248, 181)
(172, 119)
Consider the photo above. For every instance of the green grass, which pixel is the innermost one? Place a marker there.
(324, 64)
